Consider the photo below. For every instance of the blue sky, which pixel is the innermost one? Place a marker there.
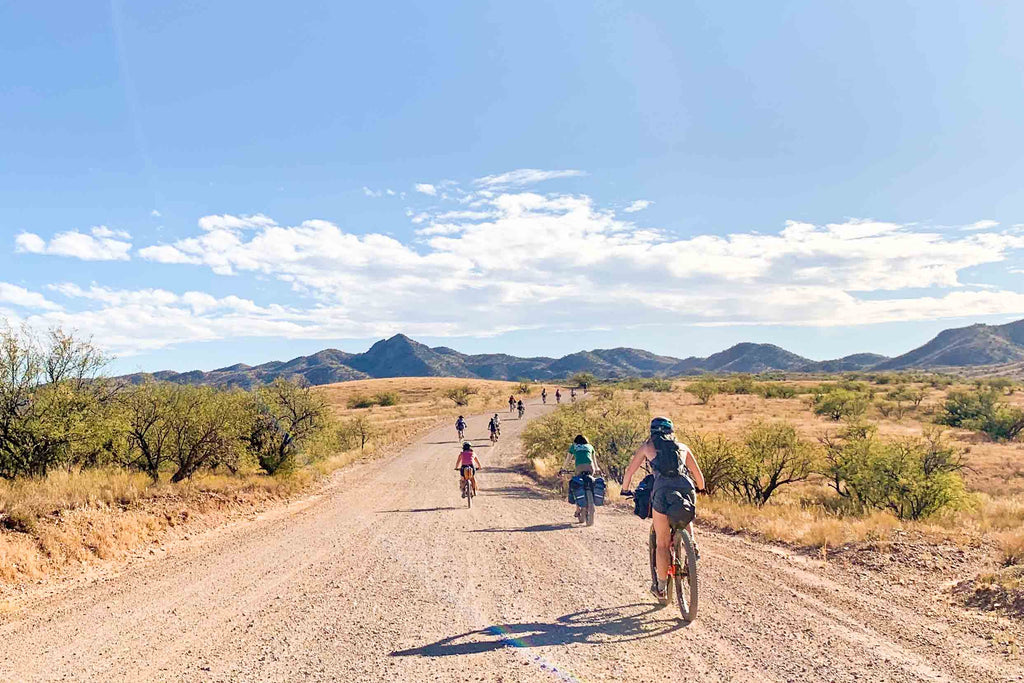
(204, 183)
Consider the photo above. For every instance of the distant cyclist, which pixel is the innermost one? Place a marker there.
(544, 395)
(558, 395)
(467, 464)
(511, 404)
(460, 425)
(677, 477)
(581, 459)
(494, 426)
(521, 408)
(572, 395)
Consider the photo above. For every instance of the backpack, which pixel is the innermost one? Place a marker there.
(600, 487)
(681, 501)
(642, 497)
(668, 461)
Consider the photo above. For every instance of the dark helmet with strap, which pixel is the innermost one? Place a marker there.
(661, 425)
(467, 446)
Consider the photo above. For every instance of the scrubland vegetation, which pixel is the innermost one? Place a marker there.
(828, 462)
(90, 467)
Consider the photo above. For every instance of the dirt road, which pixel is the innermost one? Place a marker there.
(386, 575)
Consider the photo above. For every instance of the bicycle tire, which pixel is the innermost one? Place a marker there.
(591, 508)
(687, 596)
(652, 545)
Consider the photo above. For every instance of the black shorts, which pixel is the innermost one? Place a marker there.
(663, 486)
(462, 471)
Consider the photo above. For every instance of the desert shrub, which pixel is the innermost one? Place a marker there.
(386, 398)
(718, 458)
(524, 387)
(54, 409)
(460, 395)
(912, 478)
(738, 384)
(356, 431)
(983, 411)
(704, 389)
(773, 455)
(282, 417)
(775, 390)
(584, 380)
(360, 401)
(207, 427)
(616, 426)
(839, 404)
(145, 418)
(1003, 385)
(655, 384)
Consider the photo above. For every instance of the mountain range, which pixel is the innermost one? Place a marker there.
(401, 356)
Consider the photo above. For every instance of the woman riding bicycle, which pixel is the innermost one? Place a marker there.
(467, 460)
(495, 427)
(460, 426)
(673, 484)
(581, 457)
(521, 407)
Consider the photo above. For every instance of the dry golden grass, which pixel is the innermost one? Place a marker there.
(67, 519)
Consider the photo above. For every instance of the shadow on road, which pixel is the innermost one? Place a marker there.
(510, 491)
(525, 529)
(599, 626)
(439, 509)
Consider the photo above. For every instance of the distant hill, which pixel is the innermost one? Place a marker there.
(400, 356)
(965, 346)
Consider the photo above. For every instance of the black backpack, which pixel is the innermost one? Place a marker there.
(668, 461)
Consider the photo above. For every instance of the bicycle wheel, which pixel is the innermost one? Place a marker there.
(652, 545)
(590, 508)
(469, 494)
(686, 576)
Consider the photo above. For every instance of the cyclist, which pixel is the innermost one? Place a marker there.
(460, 425)
(581, 457)
(673, 482)
(521, 408)
(495, 427)
(572, 395)
(558, 395)
(511, 404)
(467, 460)
(544, 395)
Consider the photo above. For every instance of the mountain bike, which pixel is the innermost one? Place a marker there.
(494, 436)
(462, 434)
(585, 513)
(521, 412)
(682, 568)
(466, 487)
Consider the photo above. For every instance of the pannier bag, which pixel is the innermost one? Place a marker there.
(681, 502)
(642, 497)
(577, 491)
(599, 490)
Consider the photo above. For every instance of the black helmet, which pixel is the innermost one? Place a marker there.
(661, 425)
(467, 446)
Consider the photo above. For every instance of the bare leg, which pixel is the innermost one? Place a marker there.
(663, 531)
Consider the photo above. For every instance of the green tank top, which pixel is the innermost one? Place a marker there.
(583, 453)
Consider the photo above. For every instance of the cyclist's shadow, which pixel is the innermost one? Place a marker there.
(598, 626)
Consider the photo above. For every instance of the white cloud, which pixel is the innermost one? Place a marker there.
(100, 244)
(522, 177)
(155, 214)
(521, 259)
(371, 193)
(638, 205)
(426, 188)
(229, 222)
(982, 225)
(24, 298)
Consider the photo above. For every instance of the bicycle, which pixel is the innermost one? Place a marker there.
(682, 568)
(585, 513)
(494, 436)
(522, 411)
(465, 487)
(462, 434)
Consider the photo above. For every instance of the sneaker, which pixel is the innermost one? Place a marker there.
(659, 593)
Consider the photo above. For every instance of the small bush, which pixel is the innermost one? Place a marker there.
(775, 390)
(738, 384)
(717, 456)
(983, 411)
(360, 401)
(704, 389)
(386, 398)
(839, 404)
(524, 387)
(460, 395)
(773, 455)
